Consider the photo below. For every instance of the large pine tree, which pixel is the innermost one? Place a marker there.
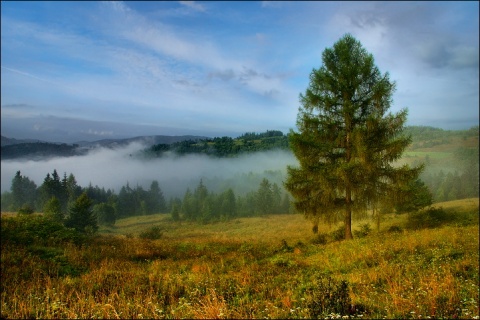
(346, 141)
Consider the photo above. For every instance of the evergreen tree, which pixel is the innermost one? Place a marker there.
(155, 201)
(200, 194)
(126, 202)
(346, 140)
(208, 211)
(175, 212)
(415, 196)
(54, 210)
(52, 187)
(81, 216)
(276, 199)
(188, 205)
(105, 213)
(23, 192)
(73, 190)
(264, 197)
(228, 206)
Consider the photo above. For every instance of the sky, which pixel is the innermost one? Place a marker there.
(73, 71)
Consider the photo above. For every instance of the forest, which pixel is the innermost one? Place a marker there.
(224, 146)
(198, 203)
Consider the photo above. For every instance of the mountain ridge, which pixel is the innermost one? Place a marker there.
(151, 139)
(37, 149)
(423, 138)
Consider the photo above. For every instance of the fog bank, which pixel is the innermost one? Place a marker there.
(113, 168)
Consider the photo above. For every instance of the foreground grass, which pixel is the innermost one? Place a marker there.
(248, 268)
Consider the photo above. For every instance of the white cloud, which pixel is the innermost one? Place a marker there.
(193, 5)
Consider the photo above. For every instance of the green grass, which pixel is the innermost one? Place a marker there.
(262, 267)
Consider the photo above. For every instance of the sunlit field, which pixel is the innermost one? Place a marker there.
(260, 267)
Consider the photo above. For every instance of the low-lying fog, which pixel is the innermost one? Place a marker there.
(113, 168)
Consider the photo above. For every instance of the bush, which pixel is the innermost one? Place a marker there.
(152, 233)
(321, 239)
(26, 209)
(365, 229)
(328, 296)
(429, 218)
(394, 228)
(38, 230)
(338, 234)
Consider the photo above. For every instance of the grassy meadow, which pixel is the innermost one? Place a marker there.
(415, 266)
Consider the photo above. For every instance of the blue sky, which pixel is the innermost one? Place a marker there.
(75, 71)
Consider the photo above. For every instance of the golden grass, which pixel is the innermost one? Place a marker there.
(242, 269)
(459, 205)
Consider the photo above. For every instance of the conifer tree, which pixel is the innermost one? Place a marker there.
(82, 217)
(23, 191)
(347, 141)
(264, 197)
(228, 205)
(53, 209)
(175, 212)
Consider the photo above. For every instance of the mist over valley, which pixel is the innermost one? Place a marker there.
(112, 168)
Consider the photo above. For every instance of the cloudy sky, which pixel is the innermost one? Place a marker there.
(94, 70)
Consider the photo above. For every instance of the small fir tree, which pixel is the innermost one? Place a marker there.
(81, 216)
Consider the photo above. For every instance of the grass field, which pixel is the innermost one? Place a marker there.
(261, 267)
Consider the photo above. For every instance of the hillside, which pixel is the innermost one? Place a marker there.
(261, 267)
(39, 150)
(10, 141)
(426, 141)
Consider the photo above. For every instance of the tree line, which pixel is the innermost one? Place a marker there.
(224, 146)
(59, 196)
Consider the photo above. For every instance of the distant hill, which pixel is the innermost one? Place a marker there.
(147, 140)
(224, 146)
(438, 140)
(10, 141)
(424, 139)
(36, 150)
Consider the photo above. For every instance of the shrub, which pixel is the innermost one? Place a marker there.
(328, 296)
(152, 233)
(25, 209)
(365, 229)
(285, 247)
(321, 239)
(38, 230)
(429, 218)
(338, 234)
(394, 228)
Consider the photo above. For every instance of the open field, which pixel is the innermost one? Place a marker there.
(261, 267)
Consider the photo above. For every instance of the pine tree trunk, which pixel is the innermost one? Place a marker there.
(348, 214)
(348, 188)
